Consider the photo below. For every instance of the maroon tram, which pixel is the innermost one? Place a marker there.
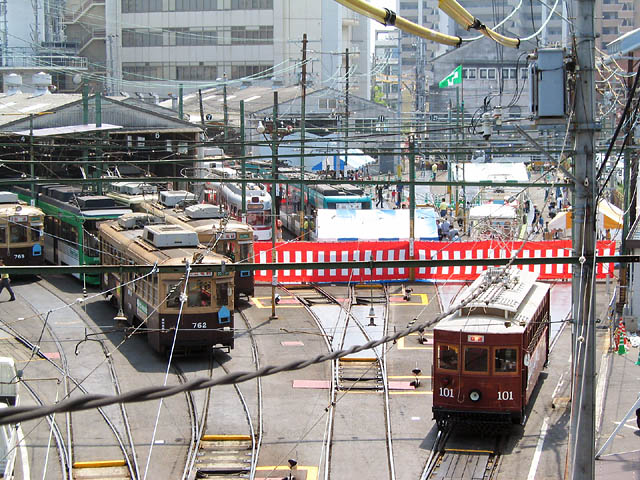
(488, 355)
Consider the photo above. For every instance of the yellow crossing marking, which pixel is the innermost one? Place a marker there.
(311, 471)
(412, 377)
(99, 464)
(424, 300)
(229, 438)
(402, 346)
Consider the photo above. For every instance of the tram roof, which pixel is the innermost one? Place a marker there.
(504, 307)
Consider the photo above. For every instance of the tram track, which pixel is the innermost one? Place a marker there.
(364, 373)
(128, 468)
(457, 456)
(225, 454)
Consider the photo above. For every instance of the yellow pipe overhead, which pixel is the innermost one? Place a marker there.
(388, 17)
(463, 17)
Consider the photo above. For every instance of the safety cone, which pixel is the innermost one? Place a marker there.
(622, 345)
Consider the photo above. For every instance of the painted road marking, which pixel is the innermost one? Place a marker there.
(409, 376)
(295, 343)
(538, 453)
(602, 382)
(632, 427)
(402, 346)
(311, 471)
(397, 299)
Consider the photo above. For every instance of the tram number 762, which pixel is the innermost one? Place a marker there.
(199, 325)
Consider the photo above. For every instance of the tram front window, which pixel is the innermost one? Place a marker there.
(506, 360)
(18, 233)
(447, 357)
(199, 293)
(3, 234)
(476, 359)
(222, 293)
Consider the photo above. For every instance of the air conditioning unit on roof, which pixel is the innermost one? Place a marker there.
(171, 198)
(166, 236)
(202, 211)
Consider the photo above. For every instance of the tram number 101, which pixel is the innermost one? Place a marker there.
(505, 395)
(446, 392)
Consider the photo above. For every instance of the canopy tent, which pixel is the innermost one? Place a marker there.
(493, 210)
(356, 159)
(347, 224)
(609, 218)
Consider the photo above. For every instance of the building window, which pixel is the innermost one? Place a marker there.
(196, 72)
(469, 73)
(483, 73)
(327, 103)
(491, 73)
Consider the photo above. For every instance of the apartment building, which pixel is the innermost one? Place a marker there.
(141, 44)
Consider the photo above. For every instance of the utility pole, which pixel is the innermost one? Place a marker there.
(303, 114)
(412, 201)
(243, 155)
(346, 109)
(582, 434)
(32, 162)
(226, 109)
(274, 199)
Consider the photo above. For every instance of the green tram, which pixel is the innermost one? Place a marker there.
(72, 218)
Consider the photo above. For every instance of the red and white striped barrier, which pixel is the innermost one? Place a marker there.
(310, 252)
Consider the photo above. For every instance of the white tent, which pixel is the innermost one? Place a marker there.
(609, 218)
(346, 224)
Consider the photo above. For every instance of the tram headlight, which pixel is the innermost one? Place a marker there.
(474, 396)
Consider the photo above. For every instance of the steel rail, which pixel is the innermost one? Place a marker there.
(256, 441)
(192, 452)
(62, 449)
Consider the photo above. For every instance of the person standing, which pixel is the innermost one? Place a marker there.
(6, 283)
(434, 171)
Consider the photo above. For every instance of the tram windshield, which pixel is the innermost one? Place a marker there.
(18, 233)
(199, 293)
(447, 357)
(506, 360)
(476, 359)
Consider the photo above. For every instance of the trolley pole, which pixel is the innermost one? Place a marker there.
(32, 166)
(412, 202)
(303, 114)
(582, 435)
(243, 162)
(274, 199)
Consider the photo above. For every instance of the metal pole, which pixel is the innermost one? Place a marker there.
(33, 163)
(346, 110)
(274, 199)
(243, 162)
(303, 115)
(98, 173)
(412, 201)
(180, 101)
(620, 425)
(85, 102)
(226, 109)
(582, 433)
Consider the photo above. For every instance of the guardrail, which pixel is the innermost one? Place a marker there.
(73, 17)
(44, 61)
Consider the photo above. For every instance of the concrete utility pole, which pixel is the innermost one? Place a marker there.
(274, 200)
(582, 434)
(303, 116)
(346, 109)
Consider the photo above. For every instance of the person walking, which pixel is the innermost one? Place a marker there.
(6, 283)
(434, 171)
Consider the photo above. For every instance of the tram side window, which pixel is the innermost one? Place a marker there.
(199, 293)
(245, 251)
(476, 359)
(506, 360)
(18, 233)
(173, 295)
(3, 234)
(447, 357)
(222, 293)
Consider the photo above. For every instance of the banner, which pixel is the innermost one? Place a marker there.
(309, 252)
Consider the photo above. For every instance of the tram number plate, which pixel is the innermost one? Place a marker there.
(505, 395)
(199, 325)
(446, 392)
(18, 256)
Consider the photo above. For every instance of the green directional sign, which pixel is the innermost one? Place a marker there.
(454, 78)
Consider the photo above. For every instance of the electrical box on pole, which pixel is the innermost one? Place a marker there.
(547, 83)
